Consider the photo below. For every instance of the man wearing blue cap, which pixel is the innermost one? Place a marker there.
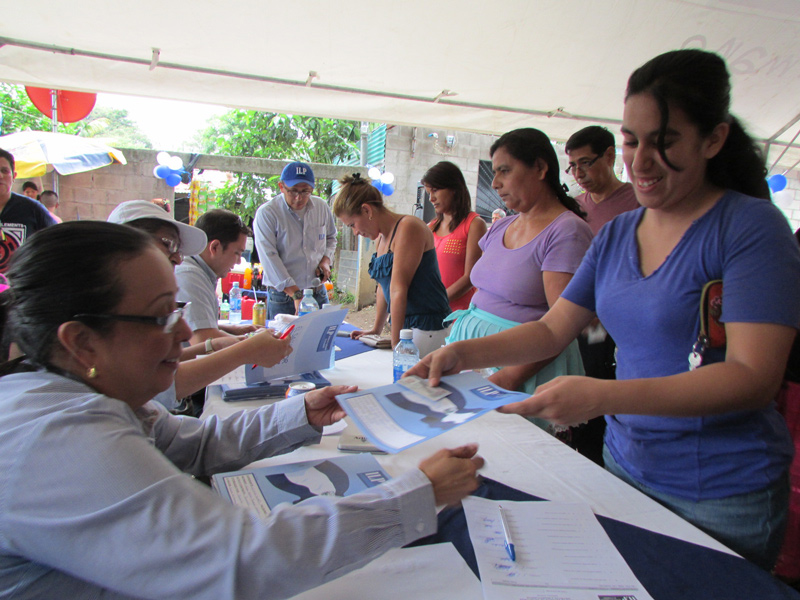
(295, 235)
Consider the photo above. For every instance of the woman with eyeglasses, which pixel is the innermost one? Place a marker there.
(528, 258)
(96, 497)
(176, 240)
(692, 425)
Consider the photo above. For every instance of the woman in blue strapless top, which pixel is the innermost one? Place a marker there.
(404, 265)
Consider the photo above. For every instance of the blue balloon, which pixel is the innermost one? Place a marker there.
(777, 182)
(173, 179)
(388, 189)
(163, 171)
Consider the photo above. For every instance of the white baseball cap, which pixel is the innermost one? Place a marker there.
(193, 240)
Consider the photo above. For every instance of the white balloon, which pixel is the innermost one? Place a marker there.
(154, 171)
(175, 163)
(374, 173)
(387, 178)
(784, 198)
(162, 158)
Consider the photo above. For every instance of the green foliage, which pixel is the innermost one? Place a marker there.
(275, 136)
(114, 125)
(19, 113)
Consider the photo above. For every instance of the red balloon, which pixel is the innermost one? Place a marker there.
(72, 106)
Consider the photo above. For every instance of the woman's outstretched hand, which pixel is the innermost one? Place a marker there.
(444, 361)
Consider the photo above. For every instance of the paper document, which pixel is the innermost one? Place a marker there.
(313, 346)
(562, 552)
(263, 488)
(395, 417)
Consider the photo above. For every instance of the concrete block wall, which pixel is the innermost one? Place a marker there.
(94, 194)
(410, 152)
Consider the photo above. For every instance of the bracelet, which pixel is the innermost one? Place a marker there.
(209, 346)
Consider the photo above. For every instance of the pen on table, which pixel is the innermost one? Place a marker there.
(283, 336)
(507, 532)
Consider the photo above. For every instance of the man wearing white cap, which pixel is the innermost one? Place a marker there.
(295, 234)
(177, 239)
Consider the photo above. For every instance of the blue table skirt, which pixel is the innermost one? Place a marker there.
(670, 569)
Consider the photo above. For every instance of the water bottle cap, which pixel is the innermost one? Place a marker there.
(308, 292)
(235, 284)
(406, 334)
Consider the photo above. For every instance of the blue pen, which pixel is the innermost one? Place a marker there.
(507, 532)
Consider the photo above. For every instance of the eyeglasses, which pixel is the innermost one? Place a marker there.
(581, 165)
(172, 246)
(296, 193)
(168, 322)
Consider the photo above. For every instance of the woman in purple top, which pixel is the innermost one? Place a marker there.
(528, 258)
(702, 437)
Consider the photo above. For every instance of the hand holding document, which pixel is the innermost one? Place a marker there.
(398, 416)
(561, 549)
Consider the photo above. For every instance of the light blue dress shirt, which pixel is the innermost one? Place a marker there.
(290, 244)
(95, 502)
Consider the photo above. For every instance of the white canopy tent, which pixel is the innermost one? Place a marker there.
(454, 64)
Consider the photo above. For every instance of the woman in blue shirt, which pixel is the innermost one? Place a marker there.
(706, 442)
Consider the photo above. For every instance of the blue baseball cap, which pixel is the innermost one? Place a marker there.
(297, 172)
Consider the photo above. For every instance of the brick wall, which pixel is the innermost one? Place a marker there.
(410, 152)
(94, 194)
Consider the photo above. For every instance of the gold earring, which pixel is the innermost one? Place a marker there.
(91, 372)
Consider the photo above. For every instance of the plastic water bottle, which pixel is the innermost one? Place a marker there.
(236, 303)
(405, 355)
(307, 304)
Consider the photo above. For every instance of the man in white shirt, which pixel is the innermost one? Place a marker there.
(295, 234)
(197, 275)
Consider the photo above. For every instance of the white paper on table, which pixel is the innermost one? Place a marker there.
(233, 378)
(560, 548)
(337, 427)
(433, 572)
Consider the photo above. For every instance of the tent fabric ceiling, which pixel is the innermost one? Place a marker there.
(444, 64)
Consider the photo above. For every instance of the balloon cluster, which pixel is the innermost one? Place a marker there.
(383, 181)
(777, 182)
(170, 169)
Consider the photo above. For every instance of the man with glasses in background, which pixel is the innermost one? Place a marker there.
(592, 154)
(295, 235)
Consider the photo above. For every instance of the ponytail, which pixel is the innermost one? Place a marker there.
(739, 165)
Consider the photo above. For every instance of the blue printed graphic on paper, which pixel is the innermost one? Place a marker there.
(327, 338)
(373, 478)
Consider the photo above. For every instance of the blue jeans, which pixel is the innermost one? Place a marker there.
(751, 525)
(279, 303)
